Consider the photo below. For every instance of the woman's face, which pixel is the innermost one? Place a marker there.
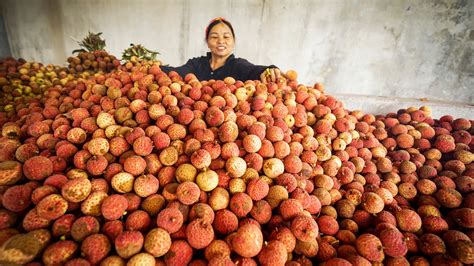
(220, 40)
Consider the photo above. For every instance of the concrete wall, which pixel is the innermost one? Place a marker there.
(403, 48)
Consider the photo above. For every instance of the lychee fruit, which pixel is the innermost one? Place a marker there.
(199, 233)
(248, 241)
(304, 228)
(37, 168)
(95, 247)
(157, 242)
(273, 253)
(128, 243)
(170, 219)
(83, 227)
(52, 207)
(114, 206)
(370, 247)
(225, 222)
(60, 252)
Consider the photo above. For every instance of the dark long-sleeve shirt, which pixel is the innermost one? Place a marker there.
(238, 68)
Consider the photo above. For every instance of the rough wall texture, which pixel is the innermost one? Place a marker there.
(403, 48)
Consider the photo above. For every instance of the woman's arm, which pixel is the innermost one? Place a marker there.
(244, 70)
(189, 67)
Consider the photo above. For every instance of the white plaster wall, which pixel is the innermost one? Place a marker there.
(402, 48)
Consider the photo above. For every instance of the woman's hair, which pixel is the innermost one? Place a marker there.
(217, 21)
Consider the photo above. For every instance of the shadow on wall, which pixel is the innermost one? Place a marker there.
(4, 44)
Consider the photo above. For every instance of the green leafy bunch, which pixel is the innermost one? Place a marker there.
(93, 42)
(139, 52)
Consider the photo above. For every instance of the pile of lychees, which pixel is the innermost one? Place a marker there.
(139, 167)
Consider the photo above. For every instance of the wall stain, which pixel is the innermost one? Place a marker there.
(396, 34)
(467, 62)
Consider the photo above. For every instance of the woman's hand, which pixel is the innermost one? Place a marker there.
(271, 75)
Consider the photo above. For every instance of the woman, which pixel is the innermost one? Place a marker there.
(220, 63)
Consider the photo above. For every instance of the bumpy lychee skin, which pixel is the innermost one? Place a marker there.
(170, 219)
(122, 182)
(134, 165)
(290, 208)
(180, 253)
(393, 242)
(96, 165)
(138, 220)
(202, 211)
(449, 198)
(19, 249)
(257, 189)
(113, 229)
(91, 205)
(188, 193)
(114, 206)
(199, 233)
(10, 172)
(146, 185)
(217, 248)
(95, 248)
(273, 167)
(41, 192)
(370, 247)
(284, 235)
(105, 119)
(236, 166)
(445, 143)
(276, 195)
(169, 156)
(60, 252)
(43, 236)
(326, 251)
(328, 225)
(52, 207)
(304, 228)
(76, 135)
(463, 217)
(241, 204)
(98, 146)
(408, 220)
(157, 242)
(434, 224)
(62, 226)
(83, 227)
(207, 180)
(77, 262)
(431, 244)
(76, 190)
(463, 250)
(114, 260)
(129, 243)
(451, 236)
(372, 202)
(274, 253)
(17, 198)
(141, 258)
(37, 168)
(225, 222)
(261, 211)
(248, 241)
(201, 159)
(7, 219)
(308, 249)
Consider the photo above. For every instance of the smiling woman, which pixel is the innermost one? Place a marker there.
(220, 62)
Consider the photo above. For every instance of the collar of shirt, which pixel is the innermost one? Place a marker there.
(208, 60)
